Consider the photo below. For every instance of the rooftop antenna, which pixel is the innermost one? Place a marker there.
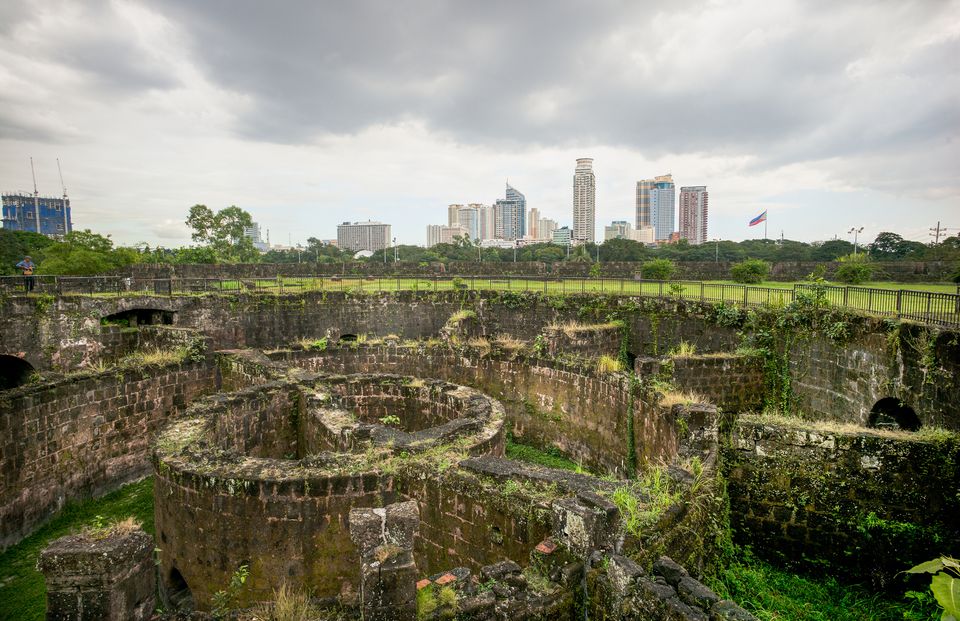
(36, 196)
(66, 201)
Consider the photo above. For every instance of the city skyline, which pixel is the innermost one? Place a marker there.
(304, 129)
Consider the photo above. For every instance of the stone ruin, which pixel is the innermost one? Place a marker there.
(371, 472)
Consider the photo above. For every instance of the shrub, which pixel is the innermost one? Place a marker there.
(658, 269)
(751, 271)
(854, 269)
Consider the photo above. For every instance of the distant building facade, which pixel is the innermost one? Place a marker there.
(533, 223)
(694, 211)
(440, 234)
(656, 205)
(453, 214)
(486, 220)
(584, 201)
(367, 235)
(545, 229)
(469, 219)
(563, 236)
(621, 229)
(254, 234)
(39, 214)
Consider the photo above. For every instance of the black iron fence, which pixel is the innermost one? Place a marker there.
(941, 308)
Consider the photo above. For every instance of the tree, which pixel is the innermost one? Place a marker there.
(658, 269)
(14, 245)
(854, 269)
(84, 253)
(751, 271)
(831, 250)
(224, 232)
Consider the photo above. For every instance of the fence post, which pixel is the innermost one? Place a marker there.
(746, 300)
(846, 295)
(701, 291)
(899, 300)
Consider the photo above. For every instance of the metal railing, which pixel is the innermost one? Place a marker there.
(938, 308)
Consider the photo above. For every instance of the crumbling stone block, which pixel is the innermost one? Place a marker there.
(100, 578)
(585, 523)
(388, 572)
(669, 569)
(725, 610)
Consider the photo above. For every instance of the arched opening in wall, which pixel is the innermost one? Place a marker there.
(631, 361)
(348, 337)
(140, 317)
(178, 592)
(892, 413)
(14, 371)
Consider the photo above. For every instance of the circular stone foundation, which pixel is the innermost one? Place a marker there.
(266, 476)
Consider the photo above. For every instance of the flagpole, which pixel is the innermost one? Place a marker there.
(764, 228)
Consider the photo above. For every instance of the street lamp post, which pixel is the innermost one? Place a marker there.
(856, 232)
(716, 256)
(396, 251)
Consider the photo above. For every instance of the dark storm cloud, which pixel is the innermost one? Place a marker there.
(45, 43)
(611, 72)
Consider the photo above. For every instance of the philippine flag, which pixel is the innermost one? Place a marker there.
(761, 218)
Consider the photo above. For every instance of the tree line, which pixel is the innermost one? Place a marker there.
(218, 237)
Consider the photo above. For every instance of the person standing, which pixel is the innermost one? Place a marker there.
(26, 267)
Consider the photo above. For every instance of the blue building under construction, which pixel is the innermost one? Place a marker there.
(40, 214)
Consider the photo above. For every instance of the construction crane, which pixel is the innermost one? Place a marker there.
(66, 202)
(36, 196)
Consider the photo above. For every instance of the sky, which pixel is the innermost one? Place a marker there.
(829, 115)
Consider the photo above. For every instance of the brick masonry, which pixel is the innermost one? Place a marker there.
(867, 504)
(83, 436)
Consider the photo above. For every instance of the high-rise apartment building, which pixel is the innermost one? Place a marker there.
(469, 219)
(656, 205)
(39, 214)
(369, 235)
(621, 229)
(533, 223)
(453, 214)
(253, 232)
(440, 234)
(693, 213)
(487, 227)
(545, 228)
(584, 201)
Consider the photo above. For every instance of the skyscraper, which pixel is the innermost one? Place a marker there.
(453, 214)
(514, 195)
(509, 215)
(533, 223)
(469, 219)
(643, 204)
(584, 201)
(508, 219)
(367, 235)
(545, 228)
(487, 227)
(656, 205)
(693, 213)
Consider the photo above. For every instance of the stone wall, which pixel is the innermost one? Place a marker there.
(902, 271)
(733, 383)
(915, 364)
(868, 504)
(83, 436)
(582, 413)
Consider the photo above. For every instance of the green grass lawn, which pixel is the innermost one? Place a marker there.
(22, 591)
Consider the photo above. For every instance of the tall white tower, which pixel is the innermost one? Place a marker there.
(584, 201)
